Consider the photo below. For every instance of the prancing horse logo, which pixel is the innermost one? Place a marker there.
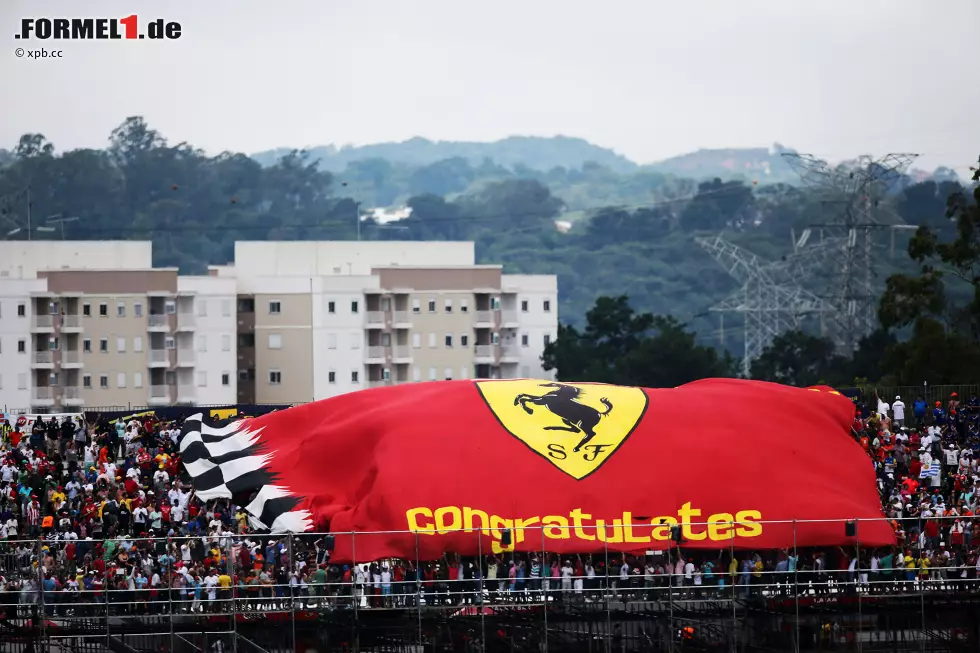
(578, 418)
(599, 417)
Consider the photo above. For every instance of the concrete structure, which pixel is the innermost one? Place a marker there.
(93, 324)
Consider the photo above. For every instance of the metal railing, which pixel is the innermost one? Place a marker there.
(43, 393)
(727, 598)
(401, 352)
(485, 351)
(374, 352)
(374, 317)
(71, 357)
(71, 392)
(402, 317)
(160, 393)
(158, 355)
(43, 322)
(158, 321)
(71, 322)
(483, 317)
(43, 357)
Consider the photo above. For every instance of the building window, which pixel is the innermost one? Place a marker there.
(449, 374)
(275, 341)
(104, 381)
(225, 379)
(170, 307)
(137, 379)
(138, 309)
(52, 308)
(226, 307)
(53, 379)
(331, 341)
(87, 310)
(226, 342)
(243, 375)
(104, 345)
(416, 340)
(432, 340)
(120, 345)
(495, 338)
(464, 306)
(52, 343)
(432, 306)
(525, 372)
(168, 343)
(416, 306)
(86, 380)
(121, 380)
(246, 305)
(386, 374)
(331, 377)
(386, 340)
(138, 344)
(202, 307)
(246, 340)
(121, 309)
(21, 310)
(416, 374)
(21, 346)
(432, 374)
(331, 307)
(275, 377)
(547, 339)
(275, 308)
(449, 306)
(22, 382)
(464, 373)
(524, 306)
(355, 340)
(353, 307)
(385, 304)
(202, 343)
(449, 340)
(87, 346)
(103, 310)
(495, 303)
(524, 340)
(354, 376)
(547, 306)
(202, 379)
(464, 340)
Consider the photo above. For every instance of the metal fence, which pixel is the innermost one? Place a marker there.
(205, 593)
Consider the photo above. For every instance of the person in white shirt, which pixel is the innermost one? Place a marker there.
(883, 408)
(898, 410)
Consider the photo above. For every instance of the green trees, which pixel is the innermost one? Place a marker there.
(623, 347)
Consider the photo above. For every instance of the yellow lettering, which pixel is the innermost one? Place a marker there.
(468, 519)
(556, 528)
(617, 531)
(720, 526)
(628, 530)
(413, 524)
(498, 524)
(747, 524)
(686, 513)
(521, 524)
(662, 532)
(457, 519)
(577, 518)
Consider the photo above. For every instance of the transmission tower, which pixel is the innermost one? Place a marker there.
(856, 188)
(769, 300)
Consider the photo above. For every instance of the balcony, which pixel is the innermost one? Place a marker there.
(71, 323)
(71, 395)
(186, 393)
(185, 358)
(158, 357)
(186, 322)
(160, 395)
(159, 323)
(510, 354)
(483, 319)
(374, 319)
(401, 354)
(485, 354)
(42, 323)
(374, 354)
(71, 359)
(508, 319)
(402, 319)
(380, 383)
(43, 396)
(43, 359)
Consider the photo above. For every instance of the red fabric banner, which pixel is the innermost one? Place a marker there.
(458, 466)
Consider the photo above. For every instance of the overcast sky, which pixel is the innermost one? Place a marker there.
(648, 78)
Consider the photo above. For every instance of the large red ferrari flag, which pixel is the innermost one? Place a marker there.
(527, 465)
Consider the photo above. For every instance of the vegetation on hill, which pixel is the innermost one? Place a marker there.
(635, 236)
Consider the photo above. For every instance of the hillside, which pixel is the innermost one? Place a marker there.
(765, 165)
(534, 152)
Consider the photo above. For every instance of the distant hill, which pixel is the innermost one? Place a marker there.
(537, 153)
(765, 165)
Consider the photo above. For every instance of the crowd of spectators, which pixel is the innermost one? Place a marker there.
(98, 516)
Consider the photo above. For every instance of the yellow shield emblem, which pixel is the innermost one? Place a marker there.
(574, 426)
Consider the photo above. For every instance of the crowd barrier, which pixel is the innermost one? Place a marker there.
(815, 607)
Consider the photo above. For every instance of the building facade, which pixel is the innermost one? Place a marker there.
(93, 324)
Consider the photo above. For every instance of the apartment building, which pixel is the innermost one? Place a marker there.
(318, 319)
(92, 324)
